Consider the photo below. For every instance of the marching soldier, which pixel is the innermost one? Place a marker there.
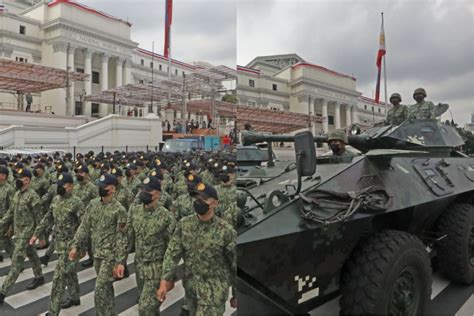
(64, 216)
(24, 214)
(207, 245)
(104, 223)
(6, 195)
(152, 226)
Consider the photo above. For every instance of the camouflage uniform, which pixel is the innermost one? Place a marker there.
(397, 114)
(208, 251)
(230, 214)
(422, 110)
(207, 177)
(183, 206)
(152, 228)
(40, 185)
(64, 214)
(94, 173)
(86, 192)
(105, 225)
(226, 195)
(124, 196)
(132, 184)
(6, 194)
(24, 215)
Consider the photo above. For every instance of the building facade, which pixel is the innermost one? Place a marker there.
(68, 35)
(289, 83)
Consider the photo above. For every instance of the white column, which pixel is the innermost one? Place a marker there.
(325, 116)
(127, 72)
(337, 115)
(118, 71)
(355, 117)
(348, 115)
(104, 83)
(72, 103)
(88, 84)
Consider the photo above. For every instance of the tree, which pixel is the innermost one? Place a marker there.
(231, 98)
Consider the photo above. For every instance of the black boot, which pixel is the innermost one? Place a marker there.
(1, 258)
(2, 298)
(44, 260)
(126, 273)
(88, 263)
(36, 282)
(69, 302)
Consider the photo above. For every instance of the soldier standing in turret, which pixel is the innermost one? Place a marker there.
(422, 109)
(399, 112)
(337, 141)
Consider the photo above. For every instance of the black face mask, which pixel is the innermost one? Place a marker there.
(60, 190)
(335, 148)
(80, 178)
(103, 192)
(224, 178)
(35, 173)
(145, 197)
(19, 184)
(128, 173)
(200, 207)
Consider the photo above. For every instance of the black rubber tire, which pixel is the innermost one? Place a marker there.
(453, 257)
(370, 275)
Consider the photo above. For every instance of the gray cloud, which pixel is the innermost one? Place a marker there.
(202, 30)
(429, 43)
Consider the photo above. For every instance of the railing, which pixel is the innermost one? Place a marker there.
(82, 149)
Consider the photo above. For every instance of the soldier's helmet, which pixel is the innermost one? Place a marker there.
(339, 135)
(420, 91)
(396, 95)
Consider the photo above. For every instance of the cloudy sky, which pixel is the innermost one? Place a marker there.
(202, 30)
(430, 44)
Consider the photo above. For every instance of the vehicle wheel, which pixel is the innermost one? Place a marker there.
(388, 274)
(455, 253)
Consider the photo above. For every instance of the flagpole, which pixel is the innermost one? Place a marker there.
(384, 66)
(150, 109)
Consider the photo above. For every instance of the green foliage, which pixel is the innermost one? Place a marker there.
(232, 98)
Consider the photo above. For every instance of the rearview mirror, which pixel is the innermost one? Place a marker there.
(305, 153)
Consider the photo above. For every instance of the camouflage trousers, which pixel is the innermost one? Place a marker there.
(197, 309)
(139, 279)
(64, 276)
(104, 290)
(22, 249)
(148, 304)
(6, 242)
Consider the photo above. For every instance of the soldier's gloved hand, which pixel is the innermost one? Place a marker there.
(118, 271)
(72, 254)
(233, 302)
(33, 240)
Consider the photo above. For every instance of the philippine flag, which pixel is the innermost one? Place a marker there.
(380, 55)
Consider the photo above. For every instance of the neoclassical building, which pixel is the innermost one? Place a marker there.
(66, 34)
(289, 83)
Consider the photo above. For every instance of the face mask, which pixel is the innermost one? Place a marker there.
(200, 207)
(60, 190)
(35, 173)
(335, 148)
(80, 178)
(145, 197)
(128, 173)
(224, 178)
(19, 184)
(103, 192)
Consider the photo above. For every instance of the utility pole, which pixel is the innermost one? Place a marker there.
(150, 108)
(309, 112)
(68, 84)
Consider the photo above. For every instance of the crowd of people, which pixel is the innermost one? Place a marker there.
(164, 207)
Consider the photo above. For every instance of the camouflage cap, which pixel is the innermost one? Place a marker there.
(339, 135)
(420, 91)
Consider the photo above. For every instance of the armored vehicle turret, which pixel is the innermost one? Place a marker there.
(367, 227)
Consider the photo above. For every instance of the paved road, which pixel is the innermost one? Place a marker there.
(21, 302)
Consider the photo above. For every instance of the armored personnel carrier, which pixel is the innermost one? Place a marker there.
(368, 228)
